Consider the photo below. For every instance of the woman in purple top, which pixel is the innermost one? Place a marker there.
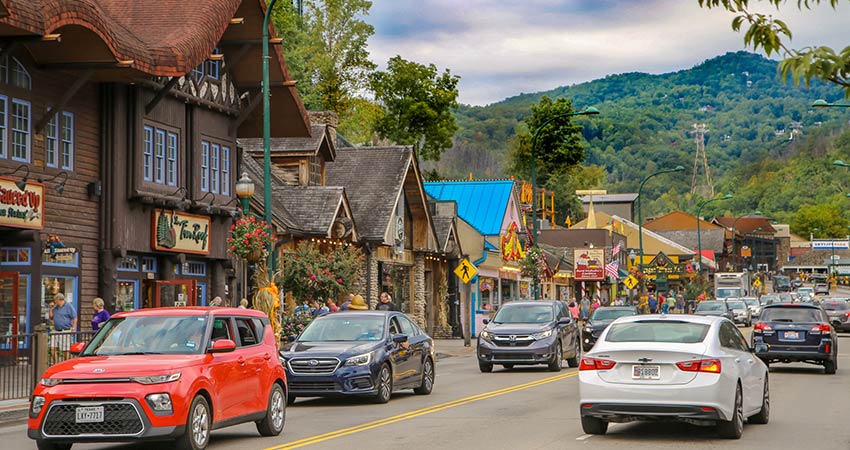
(100, 315)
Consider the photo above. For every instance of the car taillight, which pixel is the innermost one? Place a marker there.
(596, 364)
(821, 328)
(702, 365)
(847, 314)
(759, 326)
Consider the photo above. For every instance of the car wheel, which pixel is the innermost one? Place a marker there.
(763, 416)
(485, 367)
(508, 366)
(197, 433)
(47, 445)
(592, 425)
(272, 424)
(557, 363)
(427, 378)
(385, 385)
(733, 429)
(829, 367)
(573, 362)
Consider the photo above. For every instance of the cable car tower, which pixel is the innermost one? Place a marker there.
(706, 189)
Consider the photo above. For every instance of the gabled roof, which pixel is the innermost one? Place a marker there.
(678, 220)
(280, 215)
(319, 141)
(481, 203)
(314, 208)
(445, 228)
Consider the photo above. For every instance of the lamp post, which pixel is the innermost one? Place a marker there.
(267, 159)
(755, 213)
(821, 103)
(699, 234)
(244, 190)
(640, 213)
(589, 111)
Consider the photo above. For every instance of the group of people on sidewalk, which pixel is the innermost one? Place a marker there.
(670, 303)
(354, 302)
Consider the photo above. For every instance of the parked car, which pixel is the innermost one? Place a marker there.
(600, 319)
(838, 311)
(714, 308)
(534, 332)
(360, 353)
(695, 369)
(821, 289)
(163, 374)
(796, 332)
(753, 305)
(740, 312)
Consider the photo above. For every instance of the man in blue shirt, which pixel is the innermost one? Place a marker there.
(64, 318)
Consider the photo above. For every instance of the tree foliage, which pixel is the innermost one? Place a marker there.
(418, 103)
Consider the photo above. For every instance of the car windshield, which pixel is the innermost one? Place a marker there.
(835, 306)
(611, 314)
(791, 314)
(736, 305)
(728, 292)
(710, 306)
(768, 299)
(149, 335)
(524, 314)
(344, 328)
(657, 331)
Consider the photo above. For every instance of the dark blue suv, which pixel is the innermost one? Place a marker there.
(798, 332)
(364, 353)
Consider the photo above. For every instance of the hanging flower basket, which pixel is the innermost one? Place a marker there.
(250, 238)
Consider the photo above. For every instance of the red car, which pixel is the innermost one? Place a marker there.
(163, 374)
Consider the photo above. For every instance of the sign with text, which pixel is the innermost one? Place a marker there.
(21, 208)
(830, 244)
(173, 231)
(590, 264)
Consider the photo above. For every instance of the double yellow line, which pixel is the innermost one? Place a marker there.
(416, 413)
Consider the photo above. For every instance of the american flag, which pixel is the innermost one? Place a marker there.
(612, 269)
(616, 250)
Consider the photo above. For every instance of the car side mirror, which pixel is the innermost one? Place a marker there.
(77, 347)
(760, 348)
(399, 338)
(485, 321)
(222, 346)
(565, 321)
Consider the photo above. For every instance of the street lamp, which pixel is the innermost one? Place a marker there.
(589, 111)
(244, 190)
(699, 235)
(640, 213)
(821, 103)
(267, 140)
(755, 213)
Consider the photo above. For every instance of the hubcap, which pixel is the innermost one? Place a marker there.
(200, 425)
(277, 409)
(739, 412)
(385, 383)
(429, 375)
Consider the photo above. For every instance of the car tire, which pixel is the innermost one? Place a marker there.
(763, 416)
(592, 425)
(41, 444)
(272, 424)
(508, 366)
(485, 367)
(557, 362)
(197, 434)
(733, 429)
(830, 367)
(384, 385)
(573, 362)
(427, 378)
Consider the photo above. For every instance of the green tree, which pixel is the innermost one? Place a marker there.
(418, 103)
(771, 34)
(826, 218)
(358, 126)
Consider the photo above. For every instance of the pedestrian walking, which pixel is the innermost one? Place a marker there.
(653, 304)
(585, 308)
(573, 307)
(671, 304)
(100, 315)
(386, 303)
(680, 303)
(64, 318)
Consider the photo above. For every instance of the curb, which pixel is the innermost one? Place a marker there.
(12, 417)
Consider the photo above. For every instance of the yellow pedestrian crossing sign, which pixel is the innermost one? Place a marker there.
(465, 271)
(630, 281)
(757, 283)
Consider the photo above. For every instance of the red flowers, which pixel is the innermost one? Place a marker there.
(250, 238)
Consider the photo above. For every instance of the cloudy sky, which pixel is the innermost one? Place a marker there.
(502, 48)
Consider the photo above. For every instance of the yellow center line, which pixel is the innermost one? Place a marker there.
(416, 413)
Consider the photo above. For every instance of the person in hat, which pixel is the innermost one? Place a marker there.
(358, 303)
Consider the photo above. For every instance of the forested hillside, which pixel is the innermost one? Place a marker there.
(646, 123)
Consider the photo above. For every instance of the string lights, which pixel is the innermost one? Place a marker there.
(331, 242)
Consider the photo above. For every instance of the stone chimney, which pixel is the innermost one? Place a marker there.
(328, 118)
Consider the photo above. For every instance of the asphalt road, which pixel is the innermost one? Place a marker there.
(533, 409)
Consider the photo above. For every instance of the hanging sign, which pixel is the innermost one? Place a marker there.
(590, 264)
(174, 231)
(21, 208)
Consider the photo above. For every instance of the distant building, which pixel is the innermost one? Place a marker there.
(622, 205)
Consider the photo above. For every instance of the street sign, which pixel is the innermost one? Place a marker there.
(757, 283)
(465, 270)
(630, 281)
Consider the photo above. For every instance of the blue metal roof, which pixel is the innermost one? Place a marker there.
(482, 204)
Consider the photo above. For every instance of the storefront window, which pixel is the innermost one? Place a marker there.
(524, 290)
(14, 256)
(129, 264)
(394, 281)
(195, 268)
(148, 264)
(128, 295)
(52, 285)
(488, 293)
(508, 292)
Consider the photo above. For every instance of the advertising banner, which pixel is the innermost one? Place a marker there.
(589, 264)
(21, 208)
(174, 231)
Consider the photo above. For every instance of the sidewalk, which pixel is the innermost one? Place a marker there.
(13, 412)
(446, 348)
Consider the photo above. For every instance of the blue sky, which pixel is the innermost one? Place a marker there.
(502, 48)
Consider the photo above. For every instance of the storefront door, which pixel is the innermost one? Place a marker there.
(176, 293)
(8, 312)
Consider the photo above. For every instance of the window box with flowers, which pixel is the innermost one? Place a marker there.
(250, 239)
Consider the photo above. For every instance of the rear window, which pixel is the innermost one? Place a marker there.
(736, 305)
(710, 306)
(791, 314)
(657, 331)
(611, 314)
(835, 306)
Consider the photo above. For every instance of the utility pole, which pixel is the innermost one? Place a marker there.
(699, 138)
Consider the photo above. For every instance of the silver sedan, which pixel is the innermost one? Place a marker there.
(696, 369)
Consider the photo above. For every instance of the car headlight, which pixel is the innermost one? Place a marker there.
(157, 379)
(541, 335)
(359, 360)
(159, 402)
(486, 335)
(49, 382)
(588, 330)
(36, 405)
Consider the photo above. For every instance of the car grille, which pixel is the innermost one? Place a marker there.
(329, 386)
(513, 356)
(119, 419)
(312, 366)
(512, 340)
(361, 383)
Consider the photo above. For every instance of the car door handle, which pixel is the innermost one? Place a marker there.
(737, 360)
(750, 361)
(240, 360)
(266, 356)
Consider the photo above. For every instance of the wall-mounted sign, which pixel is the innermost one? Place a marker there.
(830, 244)
(511, 246)
(590, 264)
(661, 264)
(174, 231)
(21, 209)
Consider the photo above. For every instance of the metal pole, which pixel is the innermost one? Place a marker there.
(640, 214)
(267, 162)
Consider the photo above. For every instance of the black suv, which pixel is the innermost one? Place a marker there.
(600, 320)
(798, 332)
(532, 332)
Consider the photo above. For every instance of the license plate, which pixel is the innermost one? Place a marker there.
(89, 414)
(793, 335)
(646, 372)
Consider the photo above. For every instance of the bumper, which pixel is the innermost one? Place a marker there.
(538, 352)
(358, 380)
(624, 412)
(795, 353)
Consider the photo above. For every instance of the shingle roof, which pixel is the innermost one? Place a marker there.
(295, 146)
(279, 212)
(481, 203)
(313, 208)
(372, 178)
(442, 226)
